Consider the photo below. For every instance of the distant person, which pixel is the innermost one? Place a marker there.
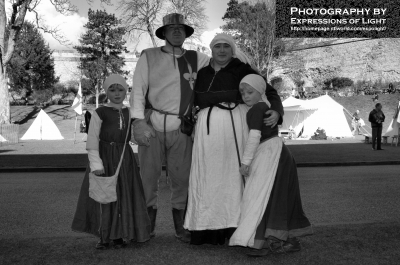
(302, 92)
(83, 127)
(319, 134)
(376, 97)
(272, 216)
(376, 117)
(293, 92)
(88, 116)
(125, 219)
(356, 123)
(391, 90)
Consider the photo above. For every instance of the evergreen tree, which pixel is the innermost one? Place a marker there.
(31, 67)
(101, 48)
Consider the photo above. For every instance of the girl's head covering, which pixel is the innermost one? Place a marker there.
(114, 79)
(258, 83)
(226, 38)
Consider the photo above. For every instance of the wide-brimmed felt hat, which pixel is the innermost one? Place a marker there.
(174, 19)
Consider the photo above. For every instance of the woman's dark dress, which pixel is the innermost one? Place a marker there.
(213, 88)
(284, 217)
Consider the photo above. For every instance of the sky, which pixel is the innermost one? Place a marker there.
(72, 26)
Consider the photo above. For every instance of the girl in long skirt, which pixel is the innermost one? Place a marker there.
(272, 216)
(126, 219)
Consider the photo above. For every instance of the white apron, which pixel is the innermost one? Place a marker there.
(215, 184)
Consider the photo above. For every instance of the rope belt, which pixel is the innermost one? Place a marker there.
(165, 113)
(221, 107)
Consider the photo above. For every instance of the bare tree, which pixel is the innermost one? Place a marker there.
(16, 20)
(194, 13)
(140, 17)
(19, 9)
(252, 24)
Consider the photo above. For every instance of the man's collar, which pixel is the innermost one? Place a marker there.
(172, 54)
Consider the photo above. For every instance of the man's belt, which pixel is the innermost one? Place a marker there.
(165, 113)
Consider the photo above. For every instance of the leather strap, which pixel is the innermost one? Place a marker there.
(123, 150)
(221, 107)
(237, 146)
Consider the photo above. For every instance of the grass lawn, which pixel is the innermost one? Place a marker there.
(354, 210)
(62, 115)
(66, 154)
(26, 114)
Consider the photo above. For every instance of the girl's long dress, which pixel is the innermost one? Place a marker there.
(126, 218)
(271, 204)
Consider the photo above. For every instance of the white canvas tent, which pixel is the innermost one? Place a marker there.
(394, 124)
(291, 102)
(305, 116)
(297, 112)
(42, 128)
(2, 139)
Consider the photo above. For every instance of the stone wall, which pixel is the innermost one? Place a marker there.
(366, 60)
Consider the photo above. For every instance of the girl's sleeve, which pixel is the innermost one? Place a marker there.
(251, 146)
(255, 123)
(92, 144)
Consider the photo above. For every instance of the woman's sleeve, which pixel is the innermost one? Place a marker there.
(275, 100)
(92, 144)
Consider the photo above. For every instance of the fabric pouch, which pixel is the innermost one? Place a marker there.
(103, 189)
(187, 125)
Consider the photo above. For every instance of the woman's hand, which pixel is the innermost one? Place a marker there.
(244, 170)
(192, 136)
(273, 119)
(98, 172)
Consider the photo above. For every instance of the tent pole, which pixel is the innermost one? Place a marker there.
(76, 119)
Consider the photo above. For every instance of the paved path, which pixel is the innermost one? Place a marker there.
(44, 203)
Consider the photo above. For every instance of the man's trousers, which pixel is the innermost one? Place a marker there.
(376, 137)
(179, 152)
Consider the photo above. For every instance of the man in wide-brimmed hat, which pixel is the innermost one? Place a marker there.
(161, 97)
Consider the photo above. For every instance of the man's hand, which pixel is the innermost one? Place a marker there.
(98, 172)
(244, 170)
(273, 119)
(142, 132)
